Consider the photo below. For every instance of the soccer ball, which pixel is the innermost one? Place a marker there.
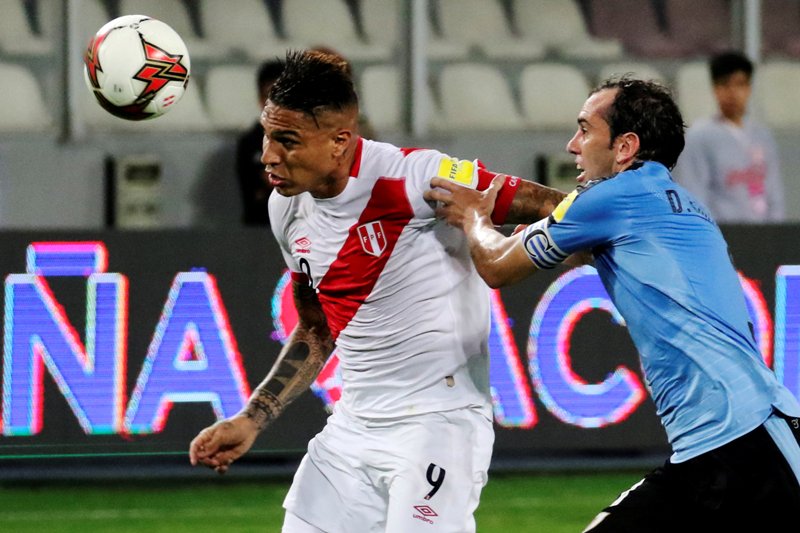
(137, 67)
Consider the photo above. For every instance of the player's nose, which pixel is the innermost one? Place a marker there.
(572, 144)
(268, 156)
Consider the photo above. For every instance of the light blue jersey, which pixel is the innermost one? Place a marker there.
(666, 267)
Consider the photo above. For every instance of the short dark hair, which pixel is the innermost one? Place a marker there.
(268, 72)
(647, 109)
(314, 81)
(723, 65)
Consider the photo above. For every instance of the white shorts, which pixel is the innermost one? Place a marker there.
(418, 473)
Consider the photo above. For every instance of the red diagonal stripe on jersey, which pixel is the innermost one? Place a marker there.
(353, 274)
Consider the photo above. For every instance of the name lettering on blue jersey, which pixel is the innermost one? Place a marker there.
(676, 203)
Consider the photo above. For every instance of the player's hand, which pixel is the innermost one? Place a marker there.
(460, 206)
(220, 445)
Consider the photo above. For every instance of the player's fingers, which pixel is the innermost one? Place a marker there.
(197, 449)
(435, 195)
(203, 446)
(519, 228)
(497, 184)
(213, 461)
(441, 183)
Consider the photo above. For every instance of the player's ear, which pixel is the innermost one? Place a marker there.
(341, 140)
(626, 148)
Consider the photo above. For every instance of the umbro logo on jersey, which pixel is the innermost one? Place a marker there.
(303, 245)
(372, 237)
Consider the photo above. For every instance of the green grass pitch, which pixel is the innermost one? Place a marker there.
(552, 503)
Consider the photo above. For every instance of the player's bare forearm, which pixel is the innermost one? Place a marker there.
(533, 202)
(499, 260)
(298, 363)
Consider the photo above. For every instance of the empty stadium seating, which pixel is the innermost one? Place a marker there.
(560, 27)
(231, 96)
(694, 92)
(476, 96)
(26, 110)
(306, 23)
(481, 24)
(551, 95)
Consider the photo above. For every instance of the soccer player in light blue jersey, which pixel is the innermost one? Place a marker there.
(732, 426)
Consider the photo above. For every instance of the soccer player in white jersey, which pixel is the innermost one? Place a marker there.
(408, 445)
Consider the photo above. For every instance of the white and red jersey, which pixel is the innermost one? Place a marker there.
(401, 296)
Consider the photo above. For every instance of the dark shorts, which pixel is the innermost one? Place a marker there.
(745, 485)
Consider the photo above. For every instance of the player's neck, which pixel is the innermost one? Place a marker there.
(337, 180)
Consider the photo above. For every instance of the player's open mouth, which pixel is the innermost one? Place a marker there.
(582, 176)
(275, 180)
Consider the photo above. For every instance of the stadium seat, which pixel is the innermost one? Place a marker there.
(173, 12)
(482, 24)
(381, 95)
(231, 96)
(26, 110)
(93, 16)
(780, 20)
(704, 26)
(330, 24)
(643, 30)
(383, 24)
(552, 94)
(244, 27)
(560, 27)
(16, 35)
(639, 70)
(694, 91)
(475, 96)
(776, 90)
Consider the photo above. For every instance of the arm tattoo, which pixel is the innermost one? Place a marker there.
(298, 363)
(533, 202)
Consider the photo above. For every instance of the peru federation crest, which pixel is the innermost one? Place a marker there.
(372, 237)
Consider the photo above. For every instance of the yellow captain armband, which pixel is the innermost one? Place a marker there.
(460, 171)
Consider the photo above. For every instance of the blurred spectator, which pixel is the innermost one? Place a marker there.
(731, 161)
(254, 186)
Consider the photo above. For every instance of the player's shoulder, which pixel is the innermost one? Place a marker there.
(624, 183)
(381, 159)
(387, 151)
(386, 158)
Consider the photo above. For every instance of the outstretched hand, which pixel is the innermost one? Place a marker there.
(219, 445)
(461, 206)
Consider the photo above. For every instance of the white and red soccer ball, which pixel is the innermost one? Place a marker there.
(137, 67)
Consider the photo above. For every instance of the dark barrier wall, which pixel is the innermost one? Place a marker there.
(129, 343)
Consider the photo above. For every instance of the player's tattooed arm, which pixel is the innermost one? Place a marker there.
(298, 363)
(533, 202)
